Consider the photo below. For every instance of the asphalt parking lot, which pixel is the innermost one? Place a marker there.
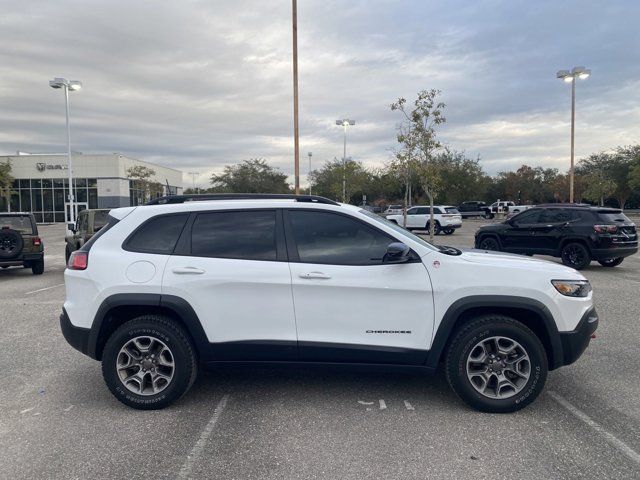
(58, 420)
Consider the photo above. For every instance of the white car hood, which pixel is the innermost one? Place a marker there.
(508, 260)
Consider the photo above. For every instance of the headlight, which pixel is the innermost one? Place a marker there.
(572, 288)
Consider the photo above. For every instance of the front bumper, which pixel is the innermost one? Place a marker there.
(576, 342)
(77, 337)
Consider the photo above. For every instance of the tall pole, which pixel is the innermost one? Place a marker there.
(344, 166)
(296, 144)
(573, 125)
(72, 215)
(309, 176)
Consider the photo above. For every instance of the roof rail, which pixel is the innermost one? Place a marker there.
(239, 196)
(561, 204)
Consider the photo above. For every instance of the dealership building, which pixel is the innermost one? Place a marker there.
(100, 181)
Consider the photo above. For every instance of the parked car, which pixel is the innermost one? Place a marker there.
(164, 289)
(393, 210)
(20, 245)
(508, 207)
(577, 234)
(475, 209)
(447, 219)
(88, 223)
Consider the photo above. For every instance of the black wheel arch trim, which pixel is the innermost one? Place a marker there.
(180, 307)
(457, 309)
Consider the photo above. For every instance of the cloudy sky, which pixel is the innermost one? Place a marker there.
(196, 85)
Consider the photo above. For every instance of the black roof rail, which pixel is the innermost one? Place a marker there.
(565, 204)
(239, 196)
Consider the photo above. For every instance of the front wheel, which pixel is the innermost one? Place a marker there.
(149, 362)
(611, 262)
(488, 215)
(489, 243)
(496, 364)
(436, 228)
(575, 255)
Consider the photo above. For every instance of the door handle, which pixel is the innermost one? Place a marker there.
(318, 275)
(188, 270)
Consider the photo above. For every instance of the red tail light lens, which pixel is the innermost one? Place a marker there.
(78, 260)
(605, 228)
(36, 241)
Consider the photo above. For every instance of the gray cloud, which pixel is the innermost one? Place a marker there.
(199, 84)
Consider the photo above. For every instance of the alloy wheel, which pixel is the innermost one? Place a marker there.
(145, 365)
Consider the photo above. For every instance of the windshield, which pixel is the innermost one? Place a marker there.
(100, 218)
(399, 229)
(16, 222)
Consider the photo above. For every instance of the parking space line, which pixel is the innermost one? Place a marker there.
(609, 437)
(43, 289)
(197, 449)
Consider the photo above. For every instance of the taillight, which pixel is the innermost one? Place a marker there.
(36, 241)
(605, 228)
(78, 260)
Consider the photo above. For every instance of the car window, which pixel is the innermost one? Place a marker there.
(399, 229)
(612, 217)
(20, 223)
(100, 218)
(324, 237)
(413, 211)
(82, 222)
(554, 215)
(158, 235)
(452, 210)
(243, 235)
(527, 217)
(582, 215)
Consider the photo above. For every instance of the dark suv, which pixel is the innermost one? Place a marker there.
(87, 224)
(577, 234)
(20, 245)
(475, 209)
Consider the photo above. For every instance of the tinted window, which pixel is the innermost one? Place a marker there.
(582, 215)
(413, 211)
(554, 215)
(242, 235)
(100, 219)
(451, 210)
(16, 222)
(82, 222)
(323, 237)
(612, 217)
(158, 235)
(527, 217)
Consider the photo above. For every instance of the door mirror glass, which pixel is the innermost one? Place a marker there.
(397, 252)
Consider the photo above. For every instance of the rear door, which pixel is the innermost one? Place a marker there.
(350, 306)
(231, 267)
(551, 228)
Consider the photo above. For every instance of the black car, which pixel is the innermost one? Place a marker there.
(475, 209)
(576, 233)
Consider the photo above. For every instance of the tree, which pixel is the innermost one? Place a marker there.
(6, 182)
(327, 181)
(250, 176)
(141, 175)
(598, 187)
(417, 137)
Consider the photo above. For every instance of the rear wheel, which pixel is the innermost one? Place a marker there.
(436, 227)
(488, 215)
(37, 267)
(448, 231)
(496, 364)
(611, 262)
(489, 243)
(149, 362)
(575, 255)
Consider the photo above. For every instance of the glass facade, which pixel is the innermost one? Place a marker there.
(45, 198)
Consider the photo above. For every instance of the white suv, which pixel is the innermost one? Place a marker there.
(446, 218)
(166, 288)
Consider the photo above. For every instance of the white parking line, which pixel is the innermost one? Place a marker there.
(43, 289)
(197, 449)
(609, 437)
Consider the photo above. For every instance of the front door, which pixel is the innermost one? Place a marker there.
(349, 305)
(520, 233)
(232, 270)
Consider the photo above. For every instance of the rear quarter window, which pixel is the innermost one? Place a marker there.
(157, 235)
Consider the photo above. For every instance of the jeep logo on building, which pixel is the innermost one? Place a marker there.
(46, 166)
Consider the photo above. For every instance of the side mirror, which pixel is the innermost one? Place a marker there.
(397, 252)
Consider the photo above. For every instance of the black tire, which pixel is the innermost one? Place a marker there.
(436, 228)
(465, 342)
(489, 243)
(448, 231)
(611, 262)
(11, 243)
(182, 352)
(37, 267)
(67, 253)
(488, 215)
(575, 255)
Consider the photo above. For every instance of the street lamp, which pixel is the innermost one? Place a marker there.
(73, 85)
(193, 180)
(570, 77)
(309, 176)
(345, 122)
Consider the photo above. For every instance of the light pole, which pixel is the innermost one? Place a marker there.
(309, 176)
(296, 134)
(193, 180)
(570, 77)
(67, 85)
(345, 122)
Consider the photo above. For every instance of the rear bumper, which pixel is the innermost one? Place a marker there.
(613, 252)
(77, 337)
(23, 257)
(576, 342)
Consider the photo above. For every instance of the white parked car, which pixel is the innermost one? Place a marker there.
(393, 210)
(164, 289)
(446, 218)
